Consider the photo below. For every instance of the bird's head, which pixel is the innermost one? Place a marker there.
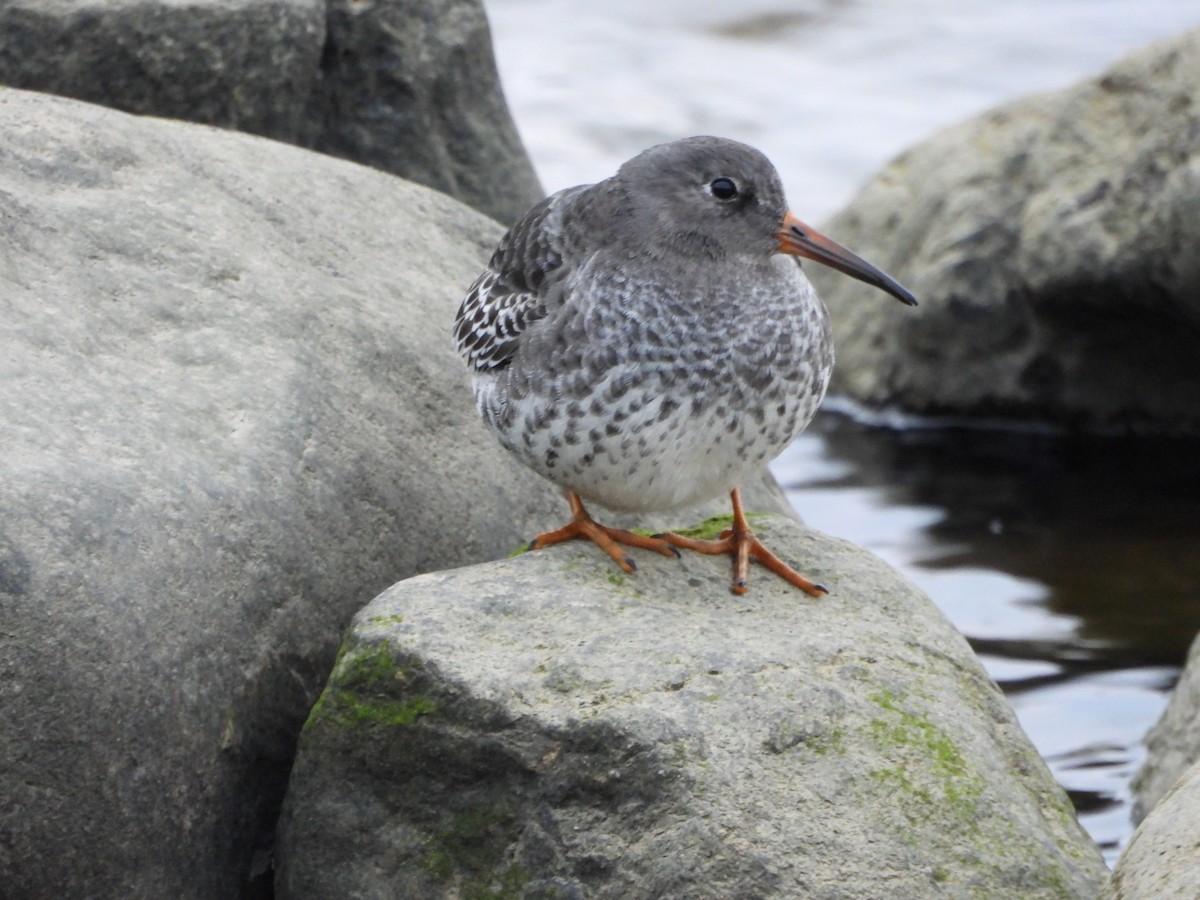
(713, 197)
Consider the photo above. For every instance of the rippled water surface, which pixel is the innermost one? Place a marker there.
(1070, 565)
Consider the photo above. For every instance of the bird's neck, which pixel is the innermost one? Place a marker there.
(694, 245)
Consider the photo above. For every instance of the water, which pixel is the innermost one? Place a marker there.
(828, 89)
(1070, 565)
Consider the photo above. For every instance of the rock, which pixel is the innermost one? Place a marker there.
(244, 64)
(1173, 744)
(407, 87)
(545, 727)
(1161, 859)
(231, 415)
(1048, 242)
(411, 87)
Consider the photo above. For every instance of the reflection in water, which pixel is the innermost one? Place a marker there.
(1069, 563)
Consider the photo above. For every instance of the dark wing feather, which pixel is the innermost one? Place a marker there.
(515, 290)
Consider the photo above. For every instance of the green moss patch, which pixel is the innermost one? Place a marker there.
(708, 530)
(393, 619)
(352, 696)
(471, 850)
(943, 779)
(369, 666)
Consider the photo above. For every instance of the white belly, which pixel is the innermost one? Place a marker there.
(646, 451)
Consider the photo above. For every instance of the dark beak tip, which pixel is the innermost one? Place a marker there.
(800, 240)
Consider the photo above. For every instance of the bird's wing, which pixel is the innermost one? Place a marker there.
(519, 286)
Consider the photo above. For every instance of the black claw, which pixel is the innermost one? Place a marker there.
(629, 562)
(673, 548)
(532, 545)
(821, 588)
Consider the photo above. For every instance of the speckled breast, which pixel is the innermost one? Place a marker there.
(670, 408)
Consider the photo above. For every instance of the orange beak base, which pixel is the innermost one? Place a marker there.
(799, 239)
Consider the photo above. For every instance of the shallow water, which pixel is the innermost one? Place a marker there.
(1070, 565)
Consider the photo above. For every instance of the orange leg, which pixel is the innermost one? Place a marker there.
(741, 542)
(583, 526)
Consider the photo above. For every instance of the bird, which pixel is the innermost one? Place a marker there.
(648, 341)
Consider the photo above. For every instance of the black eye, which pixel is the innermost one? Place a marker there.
(723, 188)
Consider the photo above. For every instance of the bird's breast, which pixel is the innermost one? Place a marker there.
(655, 400)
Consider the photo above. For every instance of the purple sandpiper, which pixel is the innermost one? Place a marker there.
(646, 342)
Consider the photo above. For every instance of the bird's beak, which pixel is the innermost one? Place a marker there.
(799, 239)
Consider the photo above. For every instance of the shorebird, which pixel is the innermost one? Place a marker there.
(648, 341)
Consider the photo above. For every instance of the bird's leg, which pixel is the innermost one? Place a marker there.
(741, 542)
(583, 526)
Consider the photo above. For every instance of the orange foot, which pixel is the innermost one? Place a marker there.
(741, 542)
(583, 526)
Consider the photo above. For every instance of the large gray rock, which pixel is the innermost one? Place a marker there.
(545, 727)
(1051, 244)
(245, 64)
(409, 87)
(1162, 859)
(230, 416)
(1173, 744)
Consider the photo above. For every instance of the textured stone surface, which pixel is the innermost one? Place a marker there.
(1163, 856)
(1173, 744)
(544, 726)
(410, 86)
(1050, 243)
(231, 415)
(244, 64)
(405, 86)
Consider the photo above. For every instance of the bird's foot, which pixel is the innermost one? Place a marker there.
(583, 527)
(741, 542)
(743, 547)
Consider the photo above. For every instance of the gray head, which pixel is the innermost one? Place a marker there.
(703, 196)
(709, 197)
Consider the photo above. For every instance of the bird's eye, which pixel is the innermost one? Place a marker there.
(723, 188)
